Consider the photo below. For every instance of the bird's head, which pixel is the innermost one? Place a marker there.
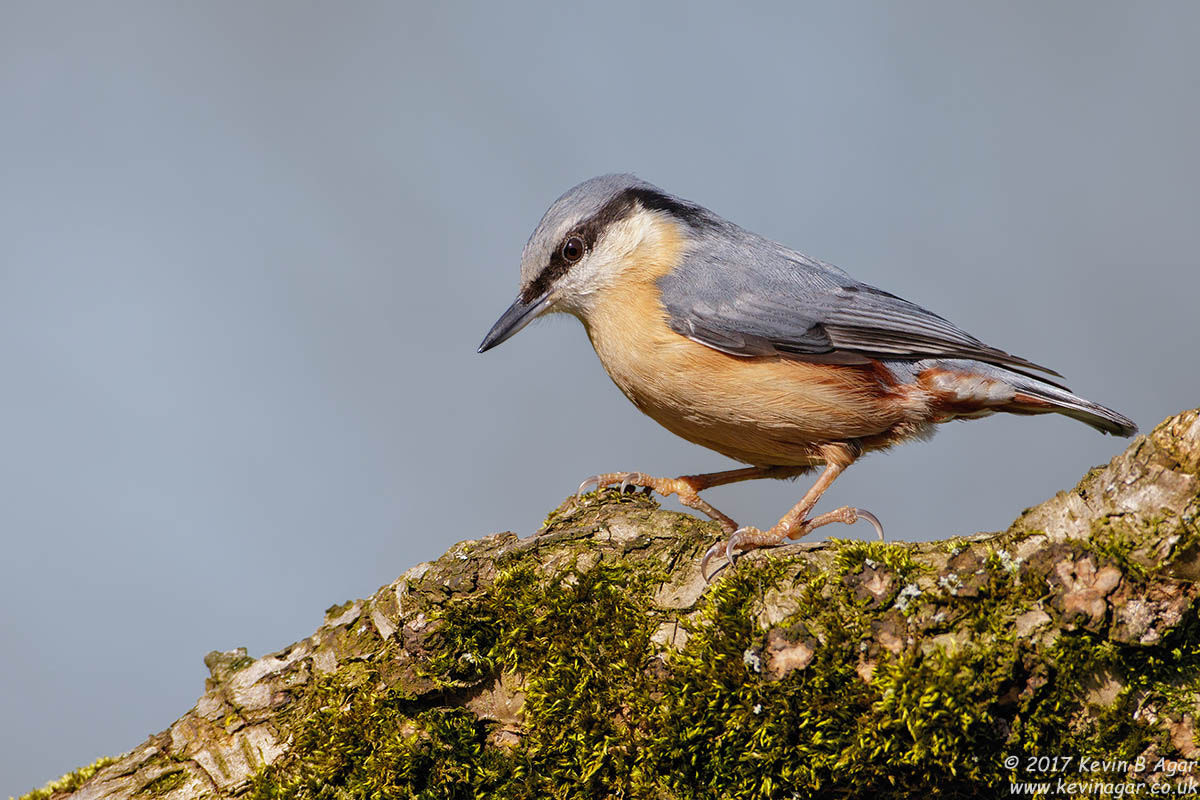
(585, 243)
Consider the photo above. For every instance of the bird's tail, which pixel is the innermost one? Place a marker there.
(965, 388)
(1037, 397)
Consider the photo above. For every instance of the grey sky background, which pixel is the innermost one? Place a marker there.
(247, 252)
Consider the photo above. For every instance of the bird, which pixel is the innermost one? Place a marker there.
(744, 346)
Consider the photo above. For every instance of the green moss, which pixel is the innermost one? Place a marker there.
(1114, 539)
(578, 710)
(724, 727)
(608, 712)
(931, 721)
(69, 782)
(608, 496)
(167, 782)
(355, 743)
(1114, 683)
(337, 610)
(954, 545)
(582, 692)
(851, 554)
(223, 664)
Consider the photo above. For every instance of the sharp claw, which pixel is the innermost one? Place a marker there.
(626, 481)
(712, 551)
(728, 548)
(874, 520)
(730, 544)
(583, 487)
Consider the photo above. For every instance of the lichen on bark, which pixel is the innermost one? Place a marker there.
(591, 660)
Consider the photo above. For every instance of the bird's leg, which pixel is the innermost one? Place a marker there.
(688, 487)
(795, 523)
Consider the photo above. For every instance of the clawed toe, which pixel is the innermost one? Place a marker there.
(874, 520)
(730, 548)
(588, 485)
(745, 539)
(719, 547)
(686, 488)
(622, 479)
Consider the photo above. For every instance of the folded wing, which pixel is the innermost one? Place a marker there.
(752, 297)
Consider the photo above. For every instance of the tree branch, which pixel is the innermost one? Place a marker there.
(592, 660)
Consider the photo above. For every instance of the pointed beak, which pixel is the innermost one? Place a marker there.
(518, 315)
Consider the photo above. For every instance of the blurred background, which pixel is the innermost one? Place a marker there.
(247, 252)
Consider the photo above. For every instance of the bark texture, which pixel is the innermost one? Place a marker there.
(591, 660)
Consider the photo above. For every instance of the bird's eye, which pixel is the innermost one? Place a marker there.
(572, 249)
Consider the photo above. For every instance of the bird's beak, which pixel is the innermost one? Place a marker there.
(518, 315)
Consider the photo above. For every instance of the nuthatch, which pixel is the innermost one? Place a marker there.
(765, 355)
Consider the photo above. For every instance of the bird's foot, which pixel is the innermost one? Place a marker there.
(743, 540)
(685, 488)
(623, 480)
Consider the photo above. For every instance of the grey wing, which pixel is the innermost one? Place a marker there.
(751, 297)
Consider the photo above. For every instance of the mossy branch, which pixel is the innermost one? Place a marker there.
(592, 661)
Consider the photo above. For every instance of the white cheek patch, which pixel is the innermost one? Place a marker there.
(610, 256)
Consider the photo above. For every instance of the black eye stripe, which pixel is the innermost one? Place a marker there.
(590, 229)
(586, 236)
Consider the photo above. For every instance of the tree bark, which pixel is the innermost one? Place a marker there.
(592, 660)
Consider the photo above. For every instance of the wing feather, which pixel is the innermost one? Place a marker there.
(744, 295)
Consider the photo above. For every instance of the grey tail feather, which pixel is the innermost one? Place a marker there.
(1064, 402)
